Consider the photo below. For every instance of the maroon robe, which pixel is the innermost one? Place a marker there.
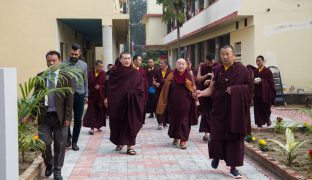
(161, 119)
(125, 104)
(181, 107)
(151, 101)
(230, 115)
(264, 96)
(205, 102)
(145, 84)
(95, 116)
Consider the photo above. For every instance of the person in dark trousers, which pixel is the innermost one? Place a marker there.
(80, 95)
(151, 101)
(54, 117)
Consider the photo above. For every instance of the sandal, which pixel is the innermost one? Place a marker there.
(183, 145)
(131, 152)
(118, 148)
(175, 142)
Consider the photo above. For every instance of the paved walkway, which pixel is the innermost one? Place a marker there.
(156, 158)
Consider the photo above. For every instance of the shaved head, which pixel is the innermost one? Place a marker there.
(181, 65)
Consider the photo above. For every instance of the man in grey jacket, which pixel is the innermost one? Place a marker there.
(80, 95)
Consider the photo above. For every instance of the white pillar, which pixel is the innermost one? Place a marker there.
(206, 3)
(205, 49)
(196, 6)
(107, 45)
(8, 125)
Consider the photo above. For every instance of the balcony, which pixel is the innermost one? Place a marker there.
(213, 15)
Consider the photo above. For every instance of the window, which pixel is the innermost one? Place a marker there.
(237, 49)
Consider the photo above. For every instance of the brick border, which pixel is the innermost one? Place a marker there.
(34, 170)
(270, 164)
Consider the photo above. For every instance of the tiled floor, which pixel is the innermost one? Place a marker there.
(156, 158)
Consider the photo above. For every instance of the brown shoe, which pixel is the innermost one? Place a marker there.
(183, 145)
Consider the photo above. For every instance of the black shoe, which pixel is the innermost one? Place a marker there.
(215, 163)
(58, 177)
(75, 147)
(57, 174)
(269, 123)
(68, 143)
(235, 174)
(151, 115)
(48, 171)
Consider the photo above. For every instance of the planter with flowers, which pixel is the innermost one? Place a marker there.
(284, 154)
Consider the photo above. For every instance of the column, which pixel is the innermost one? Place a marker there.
(8, 124)
(217, 49)
(206, 3)
(197, 55)
(196, 7)
(205, 48)
(107, 45)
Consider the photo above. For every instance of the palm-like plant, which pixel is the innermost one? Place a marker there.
(289, 149)
(33, 91)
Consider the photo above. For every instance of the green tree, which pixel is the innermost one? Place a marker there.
(174, 11)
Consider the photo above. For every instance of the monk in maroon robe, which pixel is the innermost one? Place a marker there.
(152, 98)
(176, 95)
(137, 64)
(125, 102)
(95, 116)
(264, 95)
(160, 77)
(203, 80)
(231, 90)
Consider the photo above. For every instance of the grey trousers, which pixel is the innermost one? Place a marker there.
(50, 130)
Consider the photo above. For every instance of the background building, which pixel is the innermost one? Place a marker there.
(31, 28)
(280, 30)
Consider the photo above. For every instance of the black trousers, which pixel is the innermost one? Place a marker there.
(51, 130)
(78, 111)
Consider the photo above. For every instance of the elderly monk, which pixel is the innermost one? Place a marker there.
(264, 94)
(231, 90)
(176, 95)
(125, 103)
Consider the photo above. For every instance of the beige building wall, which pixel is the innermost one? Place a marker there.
(155, 31)
(29, 29)
(153, 8)
(283, 32)
(245, 35)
